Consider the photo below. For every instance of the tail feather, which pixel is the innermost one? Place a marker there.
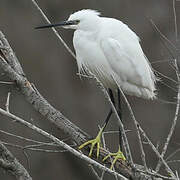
(135, 90)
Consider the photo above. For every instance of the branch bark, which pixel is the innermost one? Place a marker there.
(12, 165)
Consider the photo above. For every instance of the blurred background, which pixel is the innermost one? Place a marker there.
(52, 69)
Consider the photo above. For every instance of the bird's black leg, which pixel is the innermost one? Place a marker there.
(119, 154)
(110, 112)
(119, 111)
(97, 140)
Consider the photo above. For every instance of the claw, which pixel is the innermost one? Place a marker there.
(93, 142)
(118, 155)
(109, 155)
(98, 148)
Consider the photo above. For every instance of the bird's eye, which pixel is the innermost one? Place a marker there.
(77, 21)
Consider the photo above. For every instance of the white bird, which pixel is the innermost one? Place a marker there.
(111, 51)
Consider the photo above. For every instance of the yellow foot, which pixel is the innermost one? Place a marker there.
(118, 155)
(93, 142)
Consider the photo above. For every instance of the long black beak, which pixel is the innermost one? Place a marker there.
(63, 23)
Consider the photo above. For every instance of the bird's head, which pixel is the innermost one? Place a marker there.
(85, 19)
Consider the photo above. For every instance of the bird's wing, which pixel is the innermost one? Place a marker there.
(128, 62)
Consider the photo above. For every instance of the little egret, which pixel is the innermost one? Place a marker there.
(110, 51)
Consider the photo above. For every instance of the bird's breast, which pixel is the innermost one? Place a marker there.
(90, 56)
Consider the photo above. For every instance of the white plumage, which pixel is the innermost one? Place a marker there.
(111, 51)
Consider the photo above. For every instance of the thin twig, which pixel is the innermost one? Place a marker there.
(103, 141)
(102, 175)
(162, 35)
(160, 61)
(104, 145)
(173, 161)
(7, 102)
(177, 175)
(30, 140)
(163, 75)
(172, 154)
(114, 132)
(175, 20)
(33, 149)
(54, 30)
(165, 84)
(165, 101)
(157, 153)
(94, 172)
(6, 82)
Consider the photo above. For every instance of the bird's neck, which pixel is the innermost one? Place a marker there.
(91, 35)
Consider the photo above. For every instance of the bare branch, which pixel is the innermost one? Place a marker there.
(7, 102)
(175, 19)
(162, 36)
(94, 172)
(29, 140)
(24, 148)
(160, 61)
(54, 30)
(9, 55)
(11, 164)
(177, 175)
(165, 84)
(172, 80)
(5, 82)
(174, 161)
(172, 154)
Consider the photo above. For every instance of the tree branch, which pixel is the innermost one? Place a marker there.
(11, 164)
